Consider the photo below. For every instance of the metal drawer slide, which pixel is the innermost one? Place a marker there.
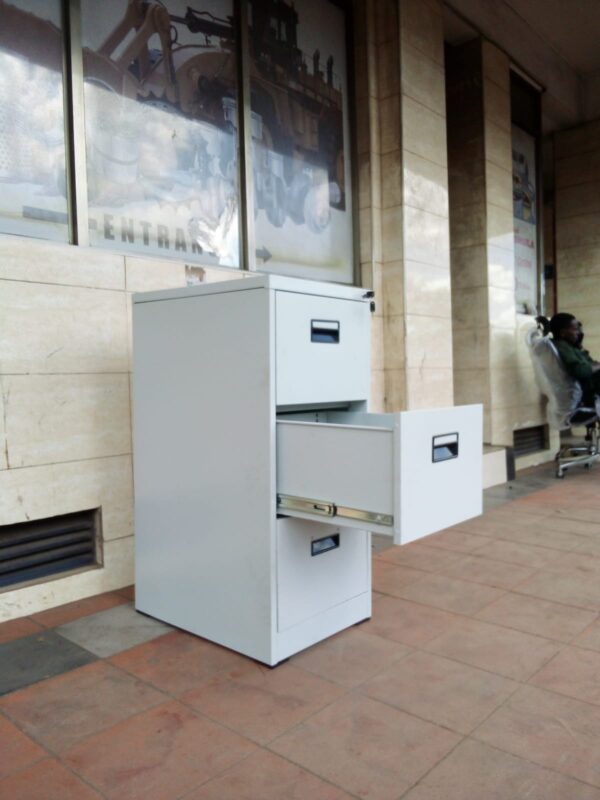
(329, 509)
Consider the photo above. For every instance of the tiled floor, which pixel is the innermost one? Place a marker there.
(478, 678)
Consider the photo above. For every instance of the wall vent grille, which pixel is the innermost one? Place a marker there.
(30, 551)
(531, 440)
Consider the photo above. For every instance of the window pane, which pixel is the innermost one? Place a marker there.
(161, 120)
(301, 138)
(33, 187)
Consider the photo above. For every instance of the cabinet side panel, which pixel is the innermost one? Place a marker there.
(203, 466)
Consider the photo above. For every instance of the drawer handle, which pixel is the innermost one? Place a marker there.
(325, 331)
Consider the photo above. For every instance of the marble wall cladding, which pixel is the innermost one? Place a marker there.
(24, 259)
(429, 388)
(421, 27)
(49, 328)
(55, 418)
(150, 274)
(3, 442)
(54, 489)
(573, 201)
(424, 131)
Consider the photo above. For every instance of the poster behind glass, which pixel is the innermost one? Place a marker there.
(161, 120)
(301, 139)
(525, 220)
(33, 186)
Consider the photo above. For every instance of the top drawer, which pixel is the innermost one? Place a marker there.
(322, 349)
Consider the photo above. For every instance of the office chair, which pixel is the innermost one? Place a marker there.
(564, 409)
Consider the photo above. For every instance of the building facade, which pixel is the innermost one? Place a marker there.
(446, 155)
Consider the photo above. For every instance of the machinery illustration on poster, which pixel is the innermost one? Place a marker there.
(525, 220)
(161, 109)
(161, 120)
(33, 199)
(303, 216)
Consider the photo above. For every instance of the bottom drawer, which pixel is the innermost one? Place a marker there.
(318, 566)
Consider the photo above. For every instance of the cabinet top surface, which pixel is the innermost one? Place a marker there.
(243, 284)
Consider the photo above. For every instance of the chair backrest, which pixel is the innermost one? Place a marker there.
(564, 393)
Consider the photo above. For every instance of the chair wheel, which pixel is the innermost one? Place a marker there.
(587, 466)
(560, 474)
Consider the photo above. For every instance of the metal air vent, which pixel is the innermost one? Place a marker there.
(33, 550)
(530, 440)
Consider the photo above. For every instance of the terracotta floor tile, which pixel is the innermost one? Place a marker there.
(409, 623)
(177, 661)
(454, 695)
(61, 711)
(451, 594)
(350, 658)
(506, 652)
(524, 555)
(16, 628)
(591, 547)
(475, 771)
(80, 608)
(391, 578)
(542, 536)
(158, 755)
(259, 702)
(368, 748)
(128, 592)
(543, 727)
(573, 672)
(540, 617)
(489, 572)
(459, 540)
(568, 588)
(577, 514)
(46, 780)
(16, 750)
(265, 776)
(419, 556)
(562, 521)
(590, 637)
(576, 563)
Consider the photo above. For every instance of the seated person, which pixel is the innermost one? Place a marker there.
(567, 334)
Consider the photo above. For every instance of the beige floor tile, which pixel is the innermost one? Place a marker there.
(550, 730)
(510, 653)
(454, 695)
(475, 771)
(368, 748)
(540, 617)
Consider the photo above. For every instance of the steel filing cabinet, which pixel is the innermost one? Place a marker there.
(259, 471)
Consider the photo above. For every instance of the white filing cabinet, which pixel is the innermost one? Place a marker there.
(260, 473)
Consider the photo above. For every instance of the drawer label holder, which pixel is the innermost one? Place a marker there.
(328, 509)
